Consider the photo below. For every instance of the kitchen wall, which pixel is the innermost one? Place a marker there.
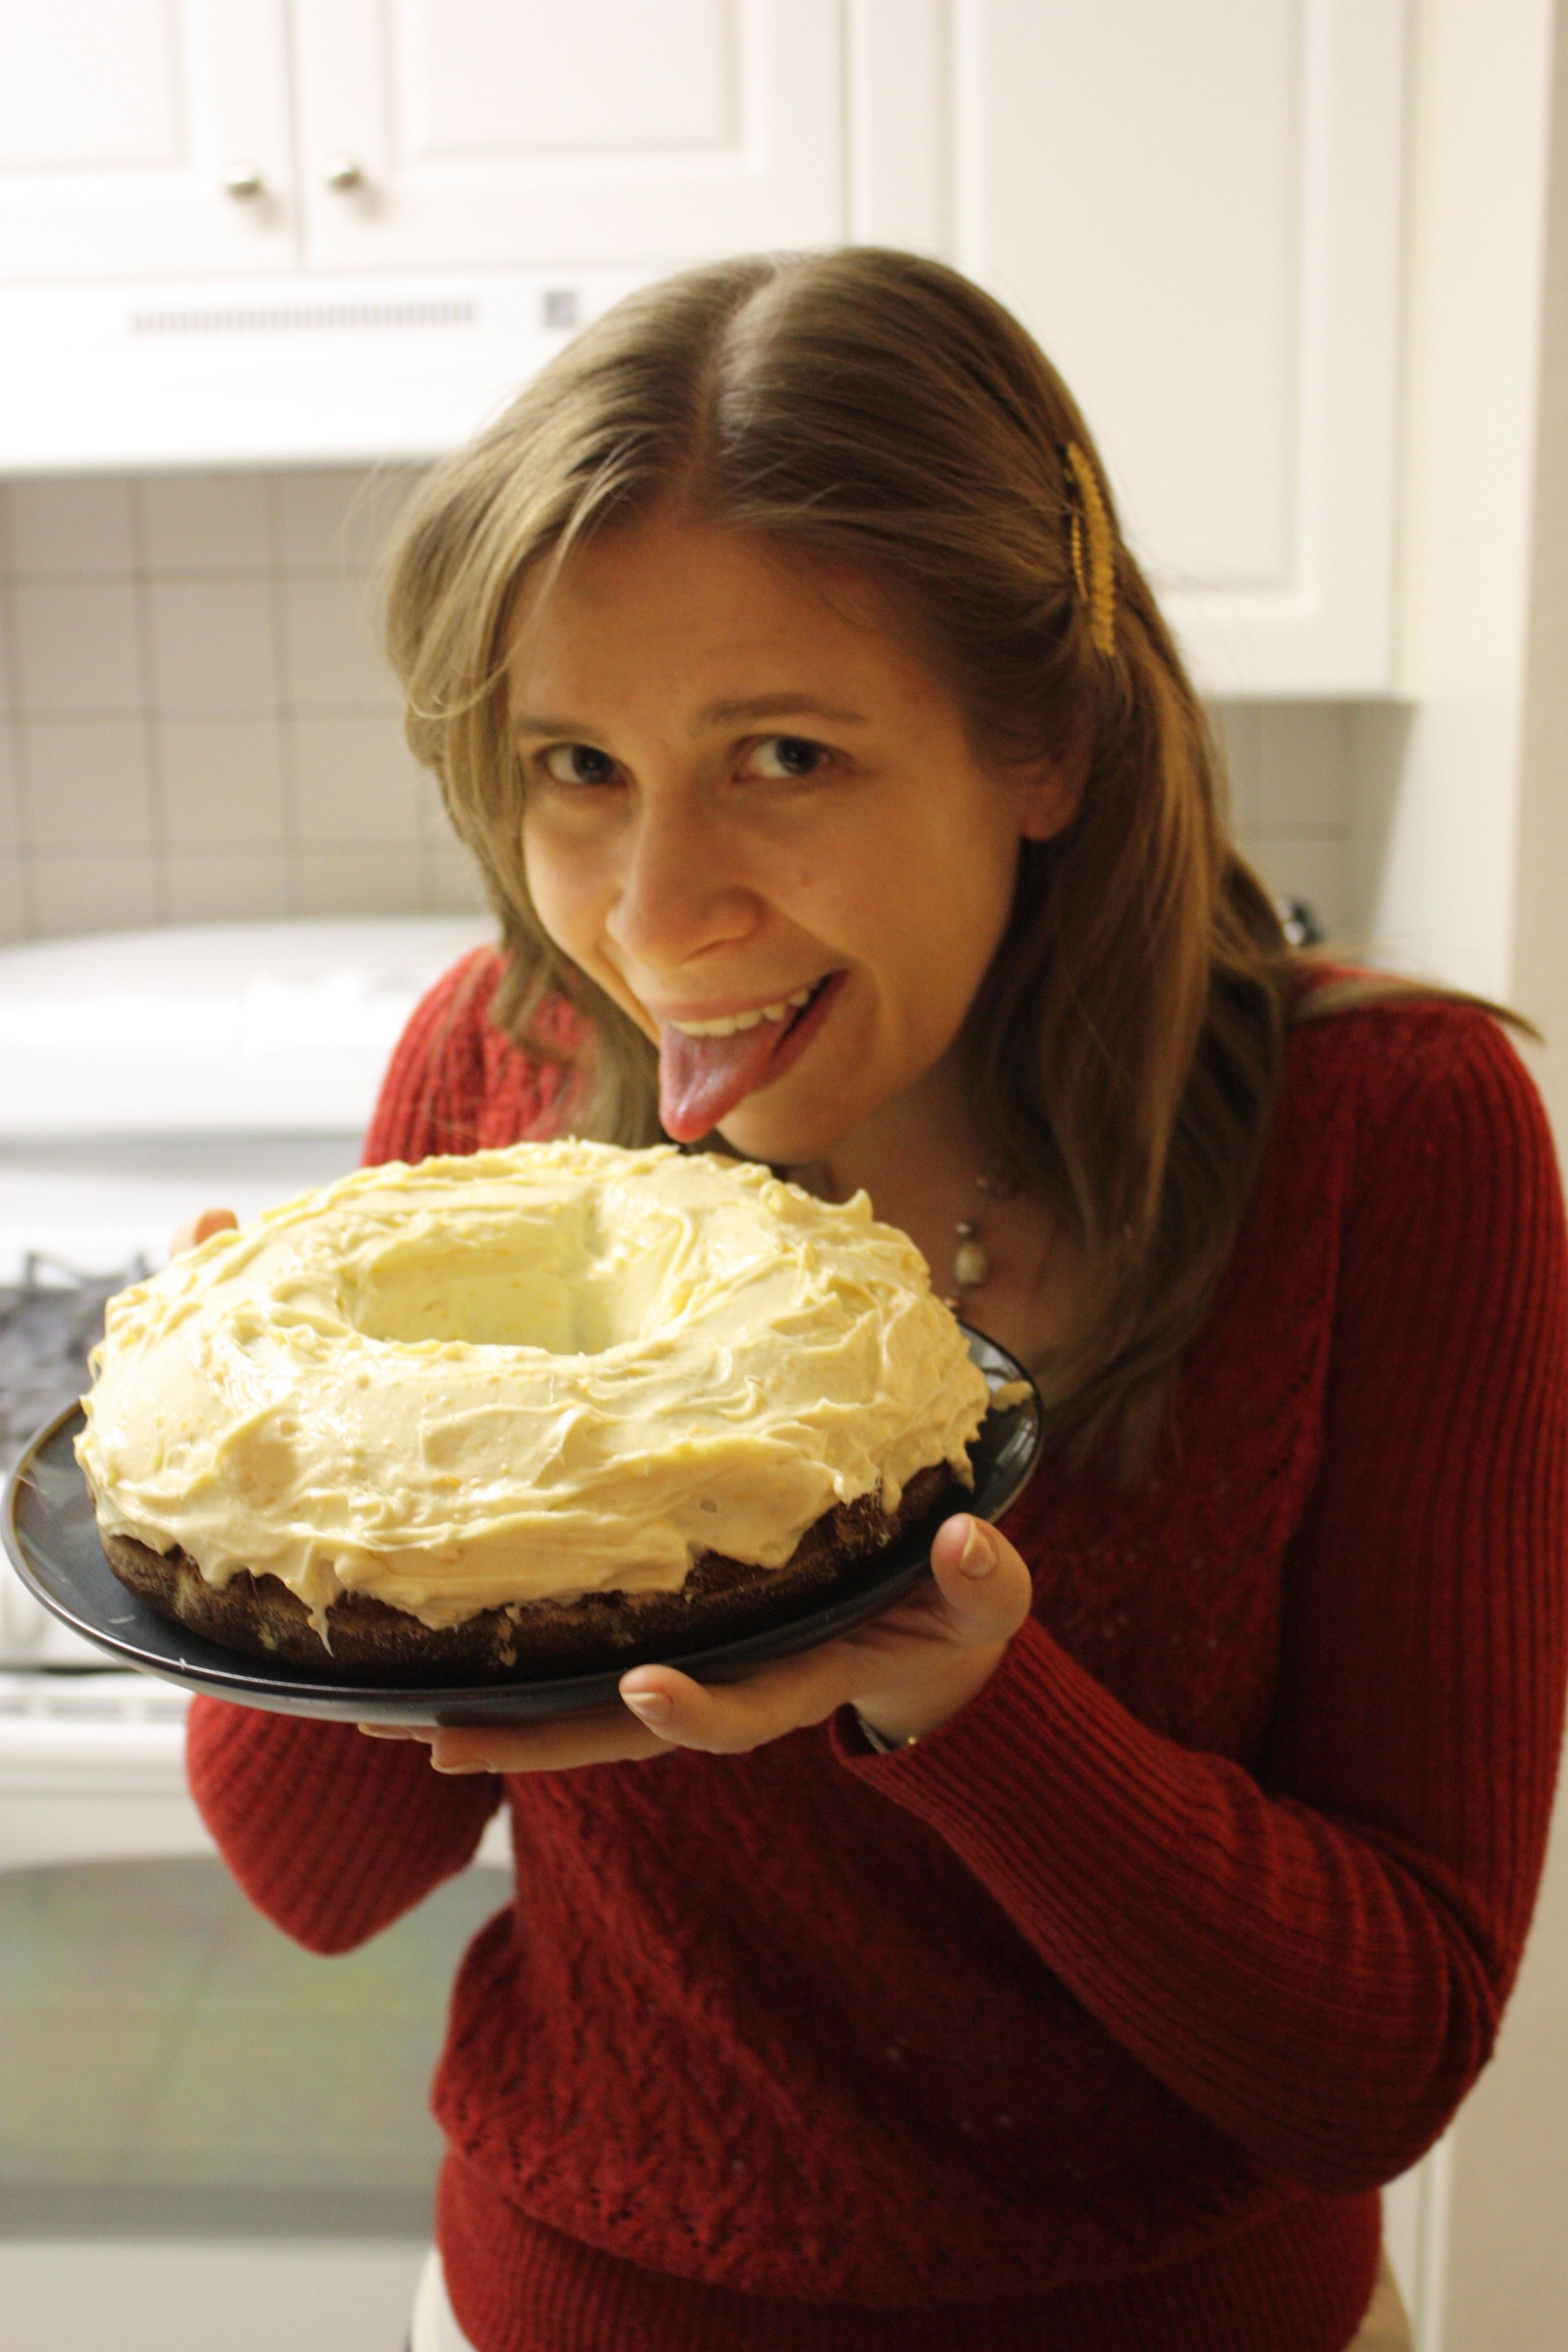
(197, 725)
(194, 725)
(1507, 2269)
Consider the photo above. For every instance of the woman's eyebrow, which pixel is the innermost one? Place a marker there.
(715, 714)
(534, 722)
(775, 706)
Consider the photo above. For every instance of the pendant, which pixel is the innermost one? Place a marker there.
(971, 1264)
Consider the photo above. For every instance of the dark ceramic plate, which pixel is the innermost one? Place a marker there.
(51, 1537)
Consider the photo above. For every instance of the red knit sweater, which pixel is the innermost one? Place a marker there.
(1094, 2021)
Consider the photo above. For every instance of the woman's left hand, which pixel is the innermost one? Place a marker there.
(907, 1672)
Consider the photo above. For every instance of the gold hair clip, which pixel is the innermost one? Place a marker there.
(1093, 550)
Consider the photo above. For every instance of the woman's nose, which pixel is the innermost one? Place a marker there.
(679, 891)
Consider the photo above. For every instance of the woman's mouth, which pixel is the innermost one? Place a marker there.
(706, 1067)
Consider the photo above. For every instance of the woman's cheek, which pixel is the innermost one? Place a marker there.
(562, 883)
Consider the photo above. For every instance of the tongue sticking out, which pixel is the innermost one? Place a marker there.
(703, 1078)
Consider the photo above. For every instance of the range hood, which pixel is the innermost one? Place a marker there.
(277, 371)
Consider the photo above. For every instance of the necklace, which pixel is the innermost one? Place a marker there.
(970, 1268)
(971, 1260)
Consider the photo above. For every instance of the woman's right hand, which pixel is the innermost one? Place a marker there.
(196, 1230)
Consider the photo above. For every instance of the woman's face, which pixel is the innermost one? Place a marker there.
(748, 803)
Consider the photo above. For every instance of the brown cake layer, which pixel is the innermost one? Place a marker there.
(721, 1600)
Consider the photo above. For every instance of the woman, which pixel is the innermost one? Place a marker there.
(1064, 1960)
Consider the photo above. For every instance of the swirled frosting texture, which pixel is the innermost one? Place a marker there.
(526, 1374)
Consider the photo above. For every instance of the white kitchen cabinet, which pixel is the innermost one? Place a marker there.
(442, 190)
(143, 137)
(1196, 210)
(523, 133)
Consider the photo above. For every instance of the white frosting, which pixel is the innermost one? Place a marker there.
(557, 1368)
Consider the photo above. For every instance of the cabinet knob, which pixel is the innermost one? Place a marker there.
(243, 181)
(344, 173)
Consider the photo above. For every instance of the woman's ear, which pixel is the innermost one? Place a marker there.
(1049, 795)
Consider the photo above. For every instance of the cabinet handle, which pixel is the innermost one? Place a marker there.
(344, 173)
(243, 181)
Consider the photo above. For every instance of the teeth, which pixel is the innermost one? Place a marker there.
(728, 1022)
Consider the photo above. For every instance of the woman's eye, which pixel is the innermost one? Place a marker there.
(578, 763)
(788, 755)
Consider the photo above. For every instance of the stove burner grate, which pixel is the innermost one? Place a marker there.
(48, 1322)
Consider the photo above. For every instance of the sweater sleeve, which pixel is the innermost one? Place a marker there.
(331, 1834)
(1315, 1956)
(456, 1083)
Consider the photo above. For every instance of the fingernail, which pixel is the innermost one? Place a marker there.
(476, 1764)
(978, 1557)
(651, 1706)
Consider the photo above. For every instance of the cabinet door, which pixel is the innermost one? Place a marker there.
(1195, 206)
(143, 137)
(516, 133)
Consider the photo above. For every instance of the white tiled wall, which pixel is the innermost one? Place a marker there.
(1291, 766)
(194, 723)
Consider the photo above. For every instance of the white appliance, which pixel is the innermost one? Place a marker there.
(177, 2164)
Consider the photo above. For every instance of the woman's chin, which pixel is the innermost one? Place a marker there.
(785, 1135)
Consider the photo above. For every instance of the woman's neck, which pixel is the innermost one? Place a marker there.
(922, 1145)
(923, 1162)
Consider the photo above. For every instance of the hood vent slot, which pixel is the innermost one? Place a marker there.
(302, 318)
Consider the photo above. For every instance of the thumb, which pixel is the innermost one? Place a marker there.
(984, 1581)
(196, 1230)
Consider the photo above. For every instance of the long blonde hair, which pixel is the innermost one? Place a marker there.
(1126, 1047)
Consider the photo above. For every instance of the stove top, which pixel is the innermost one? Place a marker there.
(48, 1322)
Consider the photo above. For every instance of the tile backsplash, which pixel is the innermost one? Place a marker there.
(195, 722)
(196, 725)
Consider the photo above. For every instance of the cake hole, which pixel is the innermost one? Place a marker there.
(551, 1282)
